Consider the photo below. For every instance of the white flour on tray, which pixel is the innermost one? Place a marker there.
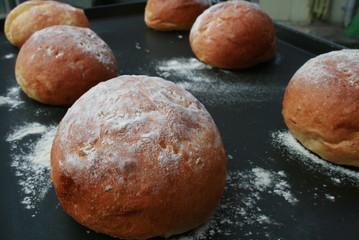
(9, 56)
(12, 98)
(237, 212)
(197, 78)
(283, 138)
(240, 210)
(31, 160)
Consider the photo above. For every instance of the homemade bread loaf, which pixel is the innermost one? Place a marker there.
(58, 64)
(321, 106)
(233, 35)
(138, 157)
(173, 15)
(31, 16)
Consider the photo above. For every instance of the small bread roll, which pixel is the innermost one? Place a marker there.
(233, 35)
(172, 15)
(321, 106)
(58, 64)
(137, 157)
(31, 16)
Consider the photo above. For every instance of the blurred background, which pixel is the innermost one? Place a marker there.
(334, 20)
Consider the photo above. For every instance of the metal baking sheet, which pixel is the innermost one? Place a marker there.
(275, 190)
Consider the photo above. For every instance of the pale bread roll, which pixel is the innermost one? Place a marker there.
(58, 64)
(233, 35)
(171, 15)
(31, 16)
(321, 106)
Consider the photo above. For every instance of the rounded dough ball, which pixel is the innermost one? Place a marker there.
(137, 157)
(233, 35)
(31, 16)
(59, 63)
(321, 106)
(171, 15)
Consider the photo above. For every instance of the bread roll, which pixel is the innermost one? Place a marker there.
(59, 63)
(31, 16)
(137, 157)
(321, 106)
(171, 15)
(233, 35)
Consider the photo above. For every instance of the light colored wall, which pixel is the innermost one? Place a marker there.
(277, 9)
(79, 3)
(298, 10)
(337, 11)
(286, 10)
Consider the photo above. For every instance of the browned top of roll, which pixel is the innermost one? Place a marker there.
(31, 16)
(173, 15)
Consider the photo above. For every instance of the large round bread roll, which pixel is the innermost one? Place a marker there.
(233, 35)
(58, 64)
(31, 16)
(171, 15)
(137, 157)
(321, 106)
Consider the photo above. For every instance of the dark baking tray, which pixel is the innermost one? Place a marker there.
(246, 106)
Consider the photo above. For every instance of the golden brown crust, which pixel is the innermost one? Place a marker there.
(171, 15)
(31, 16)
(233, 35)
(138, 157)
(321, 106)
(59, 63)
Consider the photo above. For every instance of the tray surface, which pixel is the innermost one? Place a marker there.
(275, 188)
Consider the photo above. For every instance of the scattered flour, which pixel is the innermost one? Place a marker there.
(335, 172)
(12, 98)
(9, 56)
(190, 69)
(216, 86)
(31, 160)
(23, 131)
(240, 210)
(330, 197)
